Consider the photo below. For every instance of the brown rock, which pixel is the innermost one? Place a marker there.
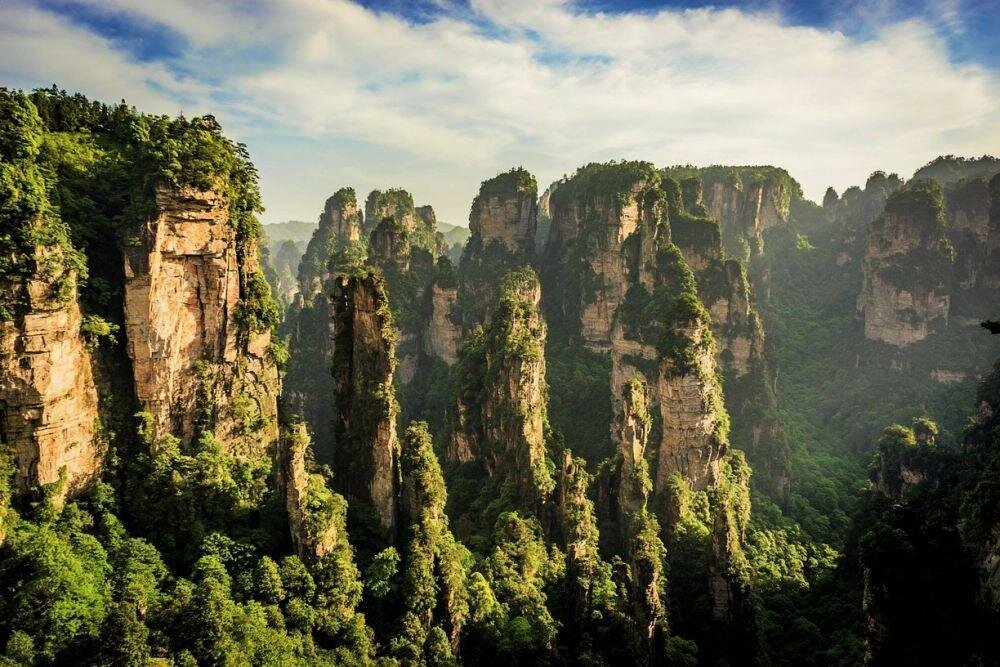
(182, 286)
(48, 400)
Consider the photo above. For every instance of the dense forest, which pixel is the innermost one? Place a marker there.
(649, 415)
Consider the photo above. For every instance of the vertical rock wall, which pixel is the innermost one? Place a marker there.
(48, 400)
(183, 284)
(366, 459)
(906, 267)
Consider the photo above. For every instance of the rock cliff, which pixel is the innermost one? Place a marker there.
(506, 211)
(394, 203)
(625, 483)
(305, 493)
(499, 420)
(852, 213)
(973, 210)
(49, 422)
(606, 221)
(48, 399)
(906, 267)
(502, 226)
(366, 455)
(339, 225)
(197, 321)
(441, 335)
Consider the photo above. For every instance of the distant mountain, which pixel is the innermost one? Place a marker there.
(293, 230)
(453, 233)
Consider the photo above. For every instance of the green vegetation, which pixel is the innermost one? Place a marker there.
(516, 551)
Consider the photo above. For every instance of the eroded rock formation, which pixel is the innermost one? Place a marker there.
(366, 457)
(595, 214)
(906, 267)
(199, 361)
(313, 535)
(48, 399)
(501, 411)
(502, 226)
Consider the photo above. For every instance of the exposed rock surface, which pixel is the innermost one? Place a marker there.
(501, 412)
(366, 457)
(506, 211)
(594, 213)
(906, 266)
(393, 203)
(502, 226)
(441, 335)
(312, 539)
(339, 224)
(183, 287)
(689, 404)
(852, 213)
(48, 400)
(973, 209)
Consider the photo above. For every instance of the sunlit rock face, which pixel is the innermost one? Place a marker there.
(48, 399)
(192, 364)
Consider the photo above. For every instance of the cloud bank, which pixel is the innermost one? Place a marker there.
(329, 93)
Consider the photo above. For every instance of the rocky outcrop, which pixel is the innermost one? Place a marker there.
(48, 400)
(689, 402)
(747, 201)
(389, 245)
(304, 493)
(366, 455)
(725, 290)
(442, 335)
(626, 478)
(198, 360)
(973, 210)
(506, 211)
(501, 412)
(729, 570)
(906, 267)
(851, 214)
(606, 222)
(502, 226)
(394, 203)
(693, 417)
(339, 225)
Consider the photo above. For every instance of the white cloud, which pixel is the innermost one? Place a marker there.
(369, 99)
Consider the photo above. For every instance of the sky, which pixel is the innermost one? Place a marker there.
(436, 96)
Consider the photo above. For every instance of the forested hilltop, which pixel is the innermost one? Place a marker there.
(649, 415)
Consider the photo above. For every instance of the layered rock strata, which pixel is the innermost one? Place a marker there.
(48, 400)
(191, 358)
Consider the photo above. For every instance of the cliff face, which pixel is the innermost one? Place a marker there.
(594, 214)
(393, 203)
(506, 211)
(48, 400)
(906, 267)
(502, 225)
(441, 336)
(184, 291)
(851, 214)
(747, 204)
(501, 411)
(312, 538)
(973, 209)
(628, 479)
(693, 417)
(367, 450)
(339, 224)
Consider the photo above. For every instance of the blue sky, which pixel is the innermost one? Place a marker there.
(437, 95)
